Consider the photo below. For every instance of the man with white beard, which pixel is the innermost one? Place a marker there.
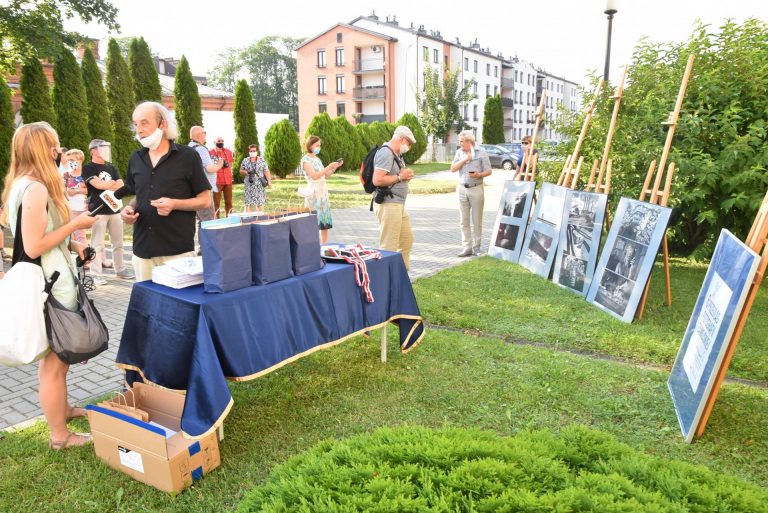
(170, 186)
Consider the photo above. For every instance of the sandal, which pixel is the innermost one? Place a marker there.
(70, 441)
(76, 412)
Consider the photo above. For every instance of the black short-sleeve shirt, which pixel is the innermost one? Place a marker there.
(104, 172)
(177, 175)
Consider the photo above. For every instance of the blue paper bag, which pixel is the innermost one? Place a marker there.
(305, 243)
(226, 257)
(270, 252)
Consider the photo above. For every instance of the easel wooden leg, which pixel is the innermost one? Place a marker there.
(666, 271)
(641, 308)
(384, 344)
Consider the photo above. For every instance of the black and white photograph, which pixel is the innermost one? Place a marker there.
(551, 203)
(572, 273)
(614, 292)
(582, 210)
(539, 247)
(578, 241)
(506, 236)
(638, 223)
(626, 258)
(513, 204)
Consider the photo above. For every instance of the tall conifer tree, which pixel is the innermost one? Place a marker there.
(186, 101)
(121, 105)
(146, 83)
(245, 124)
(70, 103)
(36, 102)
(99, 125)
(6, 128)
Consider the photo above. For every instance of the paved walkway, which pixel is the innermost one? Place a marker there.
(437, 242)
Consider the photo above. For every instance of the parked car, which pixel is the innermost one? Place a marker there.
(499, 157)
(515, 148)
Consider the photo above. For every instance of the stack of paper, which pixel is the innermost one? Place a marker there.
(180, 273)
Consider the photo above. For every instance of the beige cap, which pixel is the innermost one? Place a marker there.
(404, 131)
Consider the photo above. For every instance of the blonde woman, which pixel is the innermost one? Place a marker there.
(33, 188)
(317, 173)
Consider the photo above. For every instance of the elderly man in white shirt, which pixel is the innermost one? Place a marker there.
(472, 164)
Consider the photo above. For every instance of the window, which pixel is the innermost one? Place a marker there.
(495, 90)
(474, 112)
(426, 53)
(495, 71)
(488, 69)
(339, 56)
(341, 110)
(515, 75)
(475, 66)
(487, 90)
(514, 116)
(466, 112)
(466, 63)
(340, 84)
(474, 88)
(435, 56)
(338, 37)
(321, 85)
(424, 82)
(323, 108)
(321, 58)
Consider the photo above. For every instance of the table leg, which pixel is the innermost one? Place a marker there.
(384, 344)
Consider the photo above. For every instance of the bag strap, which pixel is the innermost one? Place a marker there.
(19, 255)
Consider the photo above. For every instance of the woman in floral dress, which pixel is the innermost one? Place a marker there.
(254, 169)
(316, 174)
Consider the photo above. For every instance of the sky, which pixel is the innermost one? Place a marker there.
(565, 37)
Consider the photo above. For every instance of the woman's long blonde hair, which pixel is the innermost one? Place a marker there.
(31, 157)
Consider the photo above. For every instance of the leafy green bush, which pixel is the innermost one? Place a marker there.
(332, 140)
(379, 133)
(282, 149)
(7, 127)
(493, 121)
(420, 147)
(721, 142)
(352, 149)
(416, 469)
(364, 132)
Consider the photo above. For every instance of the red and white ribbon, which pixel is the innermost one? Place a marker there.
(357, 255)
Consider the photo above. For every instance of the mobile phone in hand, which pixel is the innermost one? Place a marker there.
(340, 160)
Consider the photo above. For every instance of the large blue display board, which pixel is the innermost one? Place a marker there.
(710, 329)
(543, 234)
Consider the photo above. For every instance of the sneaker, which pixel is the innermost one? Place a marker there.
(477, 252)
(108, 264)
(465, 253)
(126, 274)
(99, 280)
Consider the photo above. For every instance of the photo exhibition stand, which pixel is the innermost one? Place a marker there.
(757, 240)
(528, 171)
(570, 174)
(655, 195)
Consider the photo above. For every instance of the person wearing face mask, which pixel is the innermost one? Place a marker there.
(473, 165)
(316, 173)
(211, 168)
(99, 176)
(392, 177)
(64, 161)
(76, 191)
(33, 190)
(224, 178)
(170, 186)
(255, 170)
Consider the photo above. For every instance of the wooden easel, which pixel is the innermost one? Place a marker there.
(662, 198)
(530, 162)
(575, 161)
(603, 185)
(757, 240)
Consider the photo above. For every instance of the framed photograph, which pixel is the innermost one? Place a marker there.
(627, 257)
(543, 234)
(580, 232)
(511, 220)
(710, 329)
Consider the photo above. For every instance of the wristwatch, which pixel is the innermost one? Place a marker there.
(399, 179)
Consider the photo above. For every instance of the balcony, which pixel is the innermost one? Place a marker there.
(507, 83)
(369, 93)
(365, 66)
(507, 102)
(508, 123)
(370, 118)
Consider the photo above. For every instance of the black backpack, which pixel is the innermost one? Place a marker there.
(366, 168)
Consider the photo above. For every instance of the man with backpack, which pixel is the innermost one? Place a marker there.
(391, 177)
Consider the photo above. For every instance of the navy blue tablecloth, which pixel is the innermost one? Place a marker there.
(189, 340)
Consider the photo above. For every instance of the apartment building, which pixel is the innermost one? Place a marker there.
(387, 63)
(561, 93)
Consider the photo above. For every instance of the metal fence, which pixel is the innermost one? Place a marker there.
(443, 152)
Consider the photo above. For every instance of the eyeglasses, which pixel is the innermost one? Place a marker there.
(526, 143)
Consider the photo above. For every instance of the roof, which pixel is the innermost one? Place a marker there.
(349, 26)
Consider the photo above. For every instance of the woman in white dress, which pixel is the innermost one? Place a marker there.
(33, 188)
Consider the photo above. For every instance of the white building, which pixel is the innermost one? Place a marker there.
(561, 93)
(518, 98)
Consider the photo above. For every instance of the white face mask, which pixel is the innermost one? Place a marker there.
(404, 148)
(253, 154)
(153, 140)
(106, 153)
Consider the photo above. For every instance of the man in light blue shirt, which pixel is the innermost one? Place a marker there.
(472, 164)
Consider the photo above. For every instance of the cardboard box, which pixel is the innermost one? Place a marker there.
(159, 457)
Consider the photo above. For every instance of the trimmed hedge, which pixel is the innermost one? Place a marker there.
(417, 469)
(282, 149)
(418, 149)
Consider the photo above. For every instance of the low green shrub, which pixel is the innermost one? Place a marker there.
(417, 469)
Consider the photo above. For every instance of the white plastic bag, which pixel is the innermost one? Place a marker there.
(23, 338)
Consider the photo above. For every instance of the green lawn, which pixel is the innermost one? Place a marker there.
(505, 299)
(453, 378)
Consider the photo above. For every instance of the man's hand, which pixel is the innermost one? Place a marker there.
(164, 206)
(129, 215)
(468, 158)
(406, 174)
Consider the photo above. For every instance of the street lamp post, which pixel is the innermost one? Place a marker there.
(610, 10)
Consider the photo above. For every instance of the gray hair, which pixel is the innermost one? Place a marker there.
(469, 135)
(171, 131)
